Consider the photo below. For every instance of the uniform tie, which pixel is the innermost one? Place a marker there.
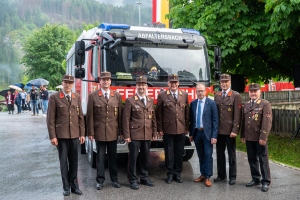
(105, 95)
(174, 95)
(69, 99)
(251, 103)
(224, 94)
(199, 115)
(143, 100)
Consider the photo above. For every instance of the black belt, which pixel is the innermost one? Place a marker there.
(200, 129)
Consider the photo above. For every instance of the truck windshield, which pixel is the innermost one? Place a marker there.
(127, 62)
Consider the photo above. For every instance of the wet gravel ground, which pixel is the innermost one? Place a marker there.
(30, 170)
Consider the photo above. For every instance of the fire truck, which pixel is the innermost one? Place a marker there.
(130, 51)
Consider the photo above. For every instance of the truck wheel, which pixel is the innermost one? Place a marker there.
(91, 155)
(188, 154)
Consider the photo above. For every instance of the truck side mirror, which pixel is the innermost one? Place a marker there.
(79, 72)
(218, 58)
(79, 53)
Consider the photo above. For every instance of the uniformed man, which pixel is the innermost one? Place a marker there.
(172, 112)
(66, 129)
(229, 104)
(256, 125)
(104, 111)
(139, 127)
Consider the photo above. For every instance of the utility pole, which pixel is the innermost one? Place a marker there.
(139, 3)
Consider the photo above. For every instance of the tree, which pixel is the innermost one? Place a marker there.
(259, 40)
(45, 51)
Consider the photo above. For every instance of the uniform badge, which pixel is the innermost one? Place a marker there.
(150, 116)
(256, 115)
(229, 110)
(255, 119)
(137, 106)
(268, 114)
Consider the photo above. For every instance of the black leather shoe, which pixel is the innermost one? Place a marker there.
(265, 188)
(99, 186)
(134, 186)
(177, 179)
(147, 182)
(218, 179)
(169, 179)
(77, 191)
(252, 183)
(116, 184)
(66, 193)
(232, 182)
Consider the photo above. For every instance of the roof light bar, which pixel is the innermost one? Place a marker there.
(107, 26)
(191, 31)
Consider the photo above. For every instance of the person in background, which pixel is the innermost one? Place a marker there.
(40, 99)
(204, 122)
(28, 101)
(66, 130)
(34, 100)
(44, 96)
(23, 100)
(256, 126)
(9, 98)
(18, 101)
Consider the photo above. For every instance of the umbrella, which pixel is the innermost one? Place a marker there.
(59, 87)
(15, 87)
(38, 82)
(4, 92)
(20, 85)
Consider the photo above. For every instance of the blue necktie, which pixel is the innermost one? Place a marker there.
(199, 116)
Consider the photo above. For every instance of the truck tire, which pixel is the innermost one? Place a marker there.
(91, 155)
(189, 152)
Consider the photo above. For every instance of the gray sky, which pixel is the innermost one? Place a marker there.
(147, 3)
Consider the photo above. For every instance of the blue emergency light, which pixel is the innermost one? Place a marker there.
(191, 31)
(107, 26)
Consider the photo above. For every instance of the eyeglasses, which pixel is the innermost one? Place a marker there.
(200, 91)
(153, 70)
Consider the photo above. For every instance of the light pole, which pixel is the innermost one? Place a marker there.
(139, 3)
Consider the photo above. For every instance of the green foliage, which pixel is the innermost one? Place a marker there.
(258, 39)
(280, 149)
(45, 50)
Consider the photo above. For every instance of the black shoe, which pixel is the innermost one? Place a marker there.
(9, 113)
(265, 188)
(218, 179)
(177, 179)
(232, 182)
(99, 186)
(134, 186)
(116, 184)
(147, 182)
(252, 183)
(77, 191)
(66, 193)
(169, 179)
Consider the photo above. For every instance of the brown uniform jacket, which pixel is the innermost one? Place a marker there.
(257, 120)
(230, 112)
(138, 120)
(172, 117)
(104, 119)
(65, 120)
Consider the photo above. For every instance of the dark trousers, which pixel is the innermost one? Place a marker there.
(174, 150)
(68, 158)
(10, 107)
(204, 150)
(111, 147)
(258, 156)
(23, 104)
(134, 147)
(223, 142)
